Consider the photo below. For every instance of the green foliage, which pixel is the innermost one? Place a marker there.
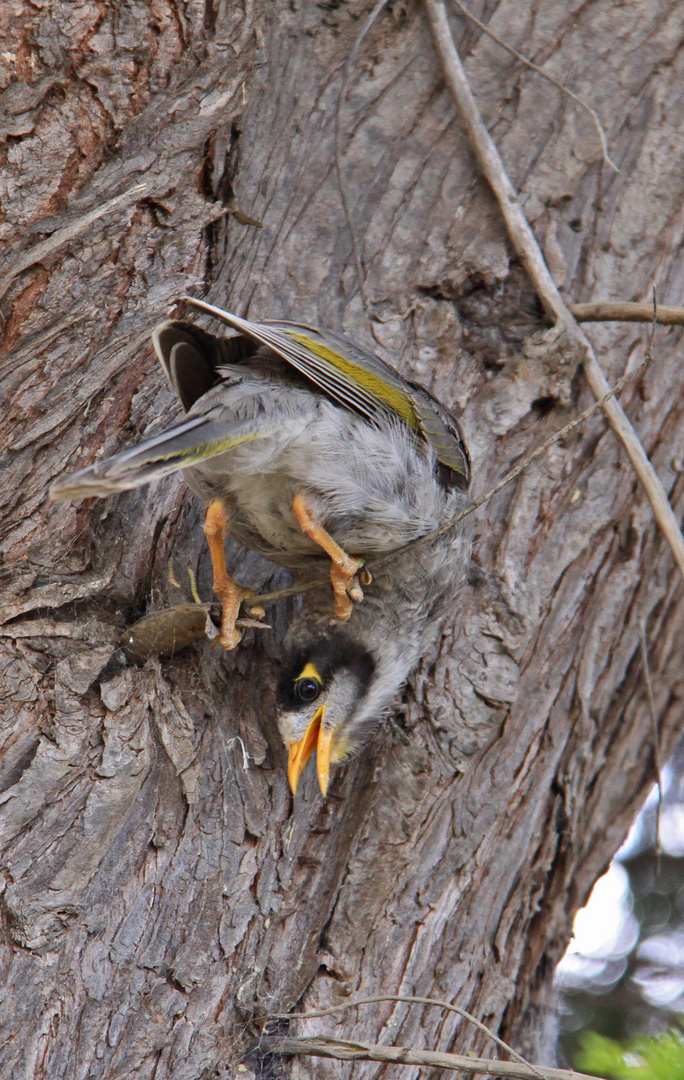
(642, 1058)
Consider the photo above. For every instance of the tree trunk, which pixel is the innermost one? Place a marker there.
(162, 893)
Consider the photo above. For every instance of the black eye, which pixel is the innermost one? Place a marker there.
(307, 689)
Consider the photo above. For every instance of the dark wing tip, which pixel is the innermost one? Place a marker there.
(458, 459)
(189, 356)
(442, 432)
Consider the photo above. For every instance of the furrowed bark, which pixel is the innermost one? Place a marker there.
(161, 896)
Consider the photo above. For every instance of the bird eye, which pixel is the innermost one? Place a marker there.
(307, 689)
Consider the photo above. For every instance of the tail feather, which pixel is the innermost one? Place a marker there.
(186, 444)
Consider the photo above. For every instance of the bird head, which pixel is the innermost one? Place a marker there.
(331, 693)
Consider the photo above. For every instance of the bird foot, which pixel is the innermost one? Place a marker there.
(347, 582)
(231, 597)
(347, 574)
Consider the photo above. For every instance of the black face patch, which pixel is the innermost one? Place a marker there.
(328, 655)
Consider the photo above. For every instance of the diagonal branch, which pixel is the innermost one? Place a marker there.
(528, 249)
(409, 1000)
(323, 1046)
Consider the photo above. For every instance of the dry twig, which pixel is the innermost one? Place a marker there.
(530, 253)
(346, 76)
(342, 1050)
(408, 1000)
(618, 311)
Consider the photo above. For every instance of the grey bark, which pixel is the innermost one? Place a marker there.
(161, 894)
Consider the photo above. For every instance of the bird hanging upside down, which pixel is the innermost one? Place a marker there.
(306, 448)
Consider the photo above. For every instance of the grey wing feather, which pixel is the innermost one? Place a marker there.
(186, 444)
(416, 407)
(443, 434)
(319, 371)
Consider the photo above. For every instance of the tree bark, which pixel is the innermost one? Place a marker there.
(161, 893)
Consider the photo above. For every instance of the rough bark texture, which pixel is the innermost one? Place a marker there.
(160, 892)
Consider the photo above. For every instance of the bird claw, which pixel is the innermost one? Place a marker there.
(254, 614)
(254, 611)
(355, 592)
(231, 625)
(346, 583)
(229, 638)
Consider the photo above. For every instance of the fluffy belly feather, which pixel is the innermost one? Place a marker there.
(380, 492)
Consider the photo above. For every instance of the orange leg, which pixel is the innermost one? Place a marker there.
(345, 571)
(229, 592)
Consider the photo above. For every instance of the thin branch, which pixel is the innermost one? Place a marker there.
(607, 311)
(545, 75)
(342, 183)
(524, 241)
(282, 594)
(62, 236)
(417, 1001)
(342, 1050)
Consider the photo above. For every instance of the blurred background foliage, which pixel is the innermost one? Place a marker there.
(622, 977)
(658, 1057)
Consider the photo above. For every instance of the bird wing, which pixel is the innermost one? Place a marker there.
(359, 381)
(189, 357)
(443, 434)
(186, 444)
(192, 358)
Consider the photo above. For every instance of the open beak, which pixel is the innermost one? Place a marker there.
(300, 752)
(325, 739)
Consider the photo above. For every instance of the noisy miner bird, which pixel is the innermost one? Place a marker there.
(305, 446)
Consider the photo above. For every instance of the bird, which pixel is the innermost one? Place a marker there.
(307, 448)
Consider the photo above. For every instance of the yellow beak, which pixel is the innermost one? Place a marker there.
(300, 752)
(325, 739)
